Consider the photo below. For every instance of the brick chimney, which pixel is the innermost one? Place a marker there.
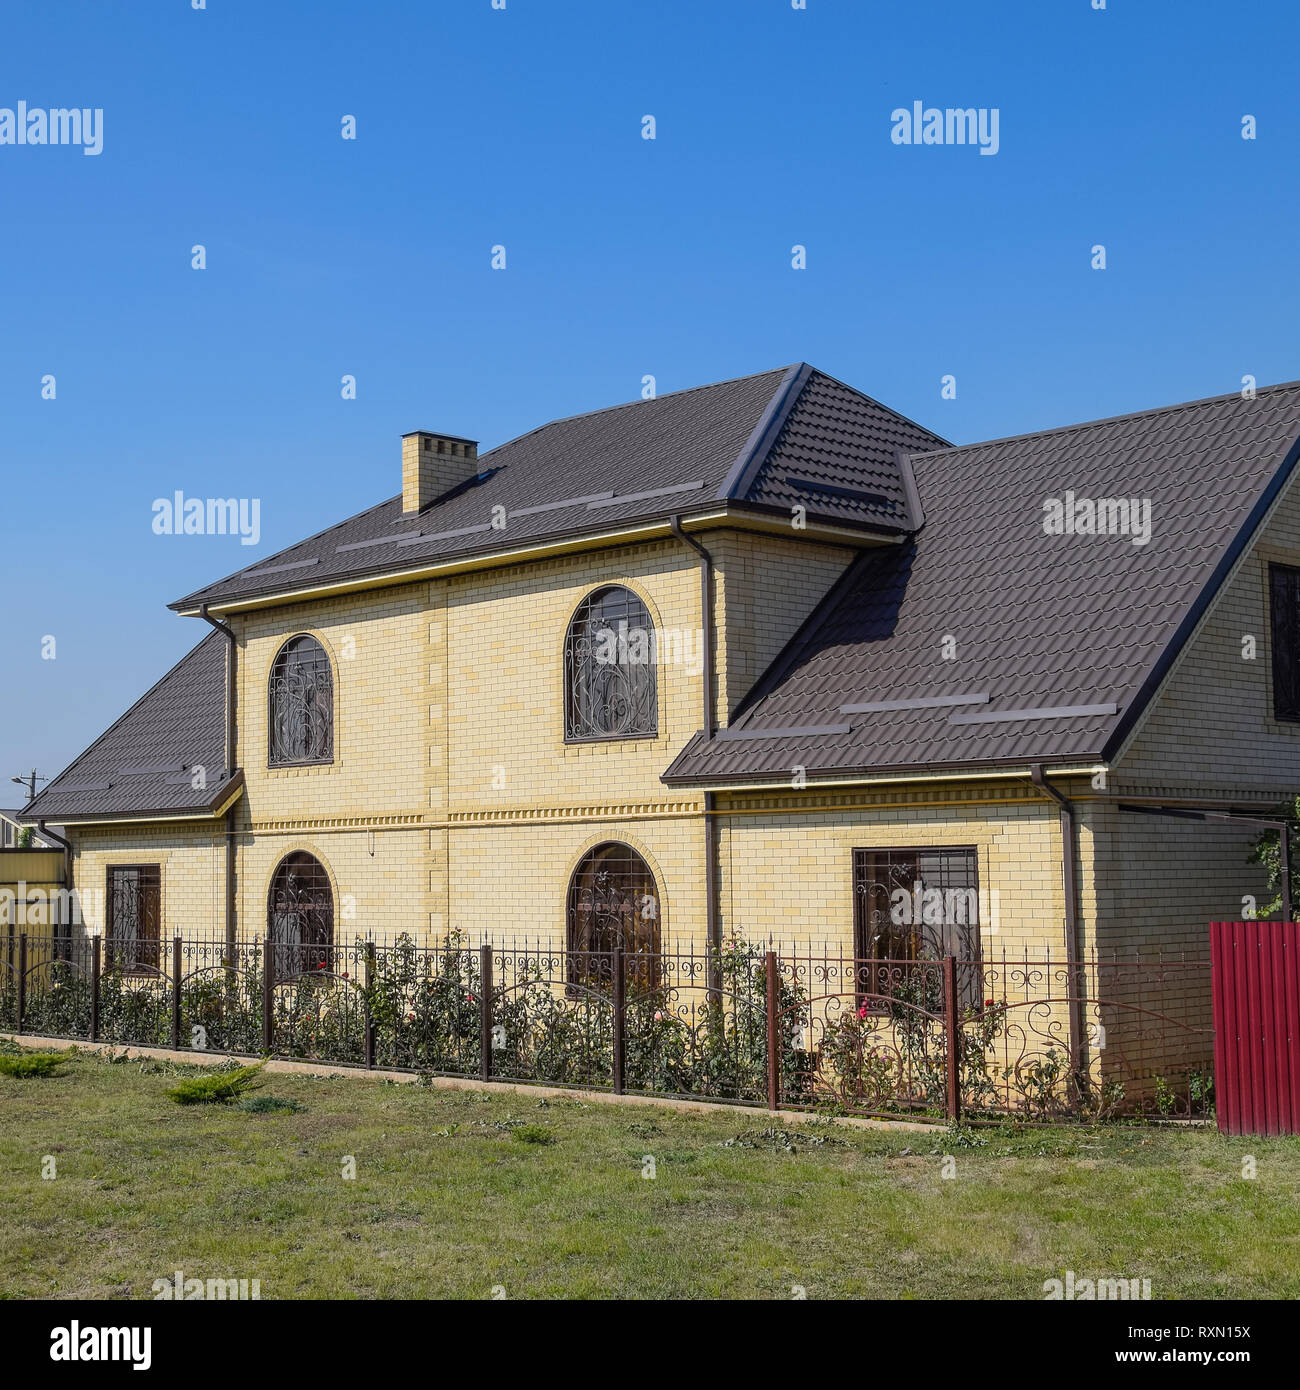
(433, 464)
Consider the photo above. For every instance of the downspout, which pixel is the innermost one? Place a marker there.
(67, 864)
(232, 650)
(1070, 884)
(706, 616)
(712, 912)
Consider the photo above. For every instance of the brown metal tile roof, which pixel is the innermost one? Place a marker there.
(736, 441)
(144, 762)
(1038, 619)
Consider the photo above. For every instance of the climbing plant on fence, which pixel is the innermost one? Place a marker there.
(790, 1028)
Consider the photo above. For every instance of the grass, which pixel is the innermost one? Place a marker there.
(452, 1198)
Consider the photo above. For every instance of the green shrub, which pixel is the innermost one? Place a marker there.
(31, 1064)
(216, 1089)
(533, 1134)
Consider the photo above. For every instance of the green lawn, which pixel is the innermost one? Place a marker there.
(447, 1202)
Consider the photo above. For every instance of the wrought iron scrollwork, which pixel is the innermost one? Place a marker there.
(301, 704)
(611, 687)
(300, 917)
(134, 917)
(918, 904)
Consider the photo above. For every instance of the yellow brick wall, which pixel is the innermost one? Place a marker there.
(787, 868)
(375, 642)
(191, 862)
(503, 669)
(510, 881)
(1160, 882)
(1211, 727)
(764, 589)
(449, 719)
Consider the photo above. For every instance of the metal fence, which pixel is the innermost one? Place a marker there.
(786, 1027)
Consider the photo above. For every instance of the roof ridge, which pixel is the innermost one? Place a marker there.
(126, 713)
(1171, 409)
(626, 405)
(925, 429)
(767, 430)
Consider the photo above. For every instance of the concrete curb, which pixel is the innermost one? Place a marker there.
(458, 1083)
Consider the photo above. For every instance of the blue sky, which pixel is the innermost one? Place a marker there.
(625, 256)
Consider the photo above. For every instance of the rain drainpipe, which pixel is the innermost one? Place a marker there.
(712, 915)
(232, 649)
(67, 867)
(1070, 884)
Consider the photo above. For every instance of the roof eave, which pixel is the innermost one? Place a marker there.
(1083, 764)
(742, 515)
(226, 795)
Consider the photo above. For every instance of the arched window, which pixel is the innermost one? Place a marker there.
(611, 690)
(613, 901)
(301, 705)
(300, 916)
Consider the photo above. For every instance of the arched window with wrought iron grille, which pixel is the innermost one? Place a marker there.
(300, 916)
(301, 698)
(611, 688)
(613, 901)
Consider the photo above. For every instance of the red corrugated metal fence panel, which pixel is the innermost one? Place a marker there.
(1256, 978)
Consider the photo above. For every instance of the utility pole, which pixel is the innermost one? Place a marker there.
(28, 782)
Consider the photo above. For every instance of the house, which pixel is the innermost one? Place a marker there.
(760, 658)
(12, 831)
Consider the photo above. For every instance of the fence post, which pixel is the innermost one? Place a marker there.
(953, 1032)
(268, 997)
(176, 993)
(95, 968)
(369, 1022)
(22, 978)
(773, 1031)
(620, 1017)
(485, 1012)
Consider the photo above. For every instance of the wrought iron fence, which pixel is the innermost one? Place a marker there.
(1048, 1038)
(794, 1028)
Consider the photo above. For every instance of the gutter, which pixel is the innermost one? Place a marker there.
(743, 516)
(968, 772)
(232, 655)
(712, 908)
(1070, 884)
